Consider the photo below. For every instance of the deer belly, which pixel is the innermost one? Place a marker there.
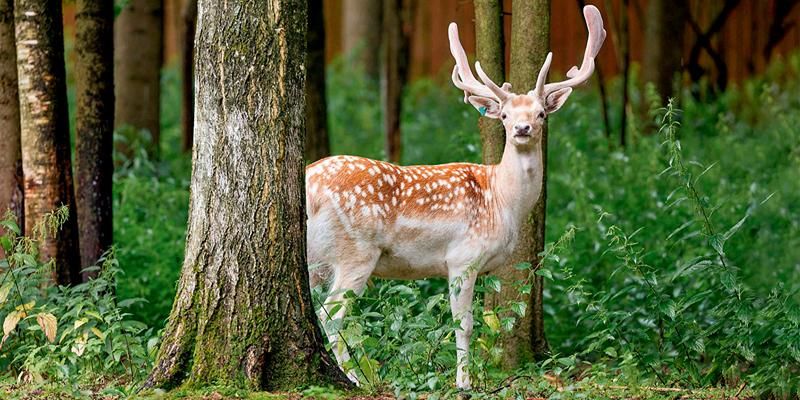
(424, 249)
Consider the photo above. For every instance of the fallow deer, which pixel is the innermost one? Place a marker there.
(372, 218)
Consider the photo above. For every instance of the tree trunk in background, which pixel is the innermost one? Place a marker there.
(45, 130)
(625, 54)
(317, 142)
(138, 46)
(11, 191)
(362, 33)
(663, 38)
(243, 313)
(530, 42)
(394, 71)
(490, 50)
(189, 18)
(94, 126)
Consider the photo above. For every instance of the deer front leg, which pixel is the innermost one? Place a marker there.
(462, 286)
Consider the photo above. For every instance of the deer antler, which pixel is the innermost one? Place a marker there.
(577, 76)
(462, 74)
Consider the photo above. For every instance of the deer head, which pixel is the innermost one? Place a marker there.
(523, 115)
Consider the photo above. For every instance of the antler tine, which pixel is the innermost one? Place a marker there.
(462, 74)
(577, 76)
(501, 93)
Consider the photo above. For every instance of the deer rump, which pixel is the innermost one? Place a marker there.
(383, 220)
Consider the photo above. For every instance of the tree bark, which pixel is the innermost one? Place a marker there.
(138, 47)
(362, 33)
(663, 36)
(44, 127)
(530, 43)
(243, 313)
(625, 50)
(490, 50)
(317, 141)
(189, 17)
(94, 126)
(394, 71)
(11, 190)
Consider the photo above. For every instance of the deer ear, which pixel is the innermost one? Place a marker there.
(488, 107)
(555, 100)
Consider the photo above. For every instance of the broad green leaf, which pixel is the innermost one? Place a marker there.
(494, 283)
(545, 273)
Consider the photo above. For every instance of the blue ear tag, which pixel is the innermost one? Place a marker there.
(482, 110)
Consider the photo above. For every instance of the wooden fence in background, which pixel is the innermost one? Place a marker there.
(741, 41)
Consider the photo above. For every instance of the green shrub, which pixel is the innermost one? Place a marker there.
(65, 334)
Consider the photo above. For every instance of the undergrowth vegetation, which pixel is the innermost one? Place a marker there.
(672, 266)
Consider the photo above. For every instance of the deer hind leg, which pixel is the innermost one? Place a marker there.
(462, 287)
(349, 275)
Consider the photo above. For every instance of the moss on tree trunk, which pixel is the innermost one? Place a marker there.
(243, 314)
(530, 42)
(138, 48)
(11, 191)
(94, 126)
(44, 125)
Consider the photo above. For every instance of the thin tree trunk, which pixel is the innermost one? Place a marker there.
(490, 50)
(530, 43)
(94, 126)
(243, 313)
(393, 77)
(625, 54)
(362, 33)
(189, 15)
(138, 47)
(11, 190)
(663, 52)
(317, 142)
(45, 130)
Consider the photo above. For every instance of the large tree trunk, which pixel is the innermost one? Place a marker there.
(362, 33)
(394, 70)
(243, 312)
(530, 42)
(138, 47)
(11, 191)
(94, 126)
(45, 130)
(663, 36)
(317, 142)
(189, 18)
(490, 50)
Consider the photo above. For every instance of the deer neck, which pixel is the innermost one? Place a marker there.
(517, 180)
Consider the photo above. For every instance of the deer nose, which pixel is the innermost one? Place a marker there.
(522, 129)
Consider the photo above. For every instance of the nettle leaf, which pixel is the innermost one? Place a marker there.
(49, 325)
(545, 273)
(611, 352)
(519, 308)
(494, 283)
(522, 266)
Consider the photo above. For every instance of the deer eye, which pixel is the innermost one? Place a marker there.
(503, 115)
(541, 115)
